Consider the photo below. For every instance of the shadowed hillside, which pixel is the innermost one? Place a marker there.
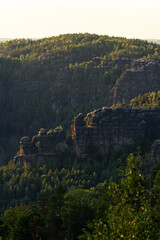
(45, 83)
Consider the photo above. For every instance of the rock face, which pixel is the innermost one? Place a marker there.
(43, 93)
(143, 77)
(27, 145)
(155, 151)
(43, 97)
(107, 127)
(42, 147)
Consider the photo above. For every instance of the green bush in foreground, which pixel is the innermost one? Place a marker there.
(129, 211)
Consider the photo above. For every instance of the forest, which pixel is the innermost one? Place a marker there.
(109, 210)
(46, 83)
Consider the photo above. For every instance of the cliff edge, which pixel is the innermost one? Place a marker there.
(143, 77)
(104, 128)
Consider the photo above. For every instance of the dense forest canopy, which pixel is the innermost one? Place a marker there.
(126, 210)
(85, 46)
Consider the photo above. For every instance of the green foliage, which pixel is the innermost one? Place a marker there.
(128, 210)
(59, 127)
(77, 44)
(87, 121)
(77, 211)
(117, 105)
(48, 81)
(22, 185)
(146, 100)
(24, 223)
(150, 99)
(55, 216)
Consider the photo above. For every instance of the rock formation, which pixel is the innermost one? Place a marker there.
(42, 147)
(107, 127)
(155, 151)
(104, 128)
(39, 99)
(143, 77)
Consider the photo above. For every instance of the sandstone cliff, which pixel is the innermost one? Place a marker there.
(34, 94)
(107, 127)
(155, 151)
(41, 147)
(104, 128)
(143, 77)
(51, 98)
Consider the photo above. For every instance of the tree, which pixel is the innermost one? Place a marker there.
(54, 217)
(129, 213)
(77, 211)
(23, 223)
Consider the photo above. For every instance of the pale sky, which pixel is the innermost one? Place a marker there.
(46, 18)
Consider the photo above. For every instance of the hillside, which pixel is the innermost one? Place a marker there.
(157, 41)
(5, 39)
(69, 207)
(45, 83)
(97, 146)
(77, 182)
(57, 186)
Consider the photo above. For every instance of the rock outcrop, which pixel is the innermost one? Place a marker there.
(105, 128)
(27, 146)
(42, 147)
(155, 151)
(32, 98)
(143, 77)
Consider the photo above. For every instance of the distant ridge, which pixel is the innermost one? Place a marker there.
(5, 39)
(154, 40)
(149, 40)
(9, 39)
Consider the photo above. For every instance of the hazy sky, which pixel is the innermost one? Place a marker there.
(46, 18)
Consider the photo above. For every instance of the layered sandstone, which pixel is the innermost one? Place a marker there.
(105, 128)
(42, 147)
(155, 151)
(112, 128)
(143, 77)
